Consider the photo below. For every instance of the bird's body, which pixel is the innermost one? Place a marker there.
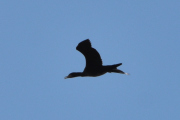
(94, 65)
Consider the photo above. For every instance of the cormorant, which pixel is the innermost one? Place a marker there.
(94, 65)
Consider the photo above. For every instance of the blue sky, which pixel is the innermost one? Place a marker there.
(38, 42)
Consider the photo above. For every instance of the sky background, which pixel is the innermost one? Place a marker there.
(38, 42)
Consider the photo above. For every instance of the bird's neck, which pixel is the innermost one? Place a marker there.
(78, 74)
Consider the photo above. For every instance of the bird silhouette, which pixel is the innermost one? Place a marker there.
(94, 65)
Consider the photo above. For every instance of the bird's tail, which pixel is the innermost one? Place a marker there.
(113, 68)
(118, 71)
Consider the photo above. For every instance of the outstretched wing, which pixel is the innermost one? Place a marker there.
(92, 56)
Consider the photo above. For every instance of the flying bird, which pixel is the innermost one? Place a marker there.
(94, 65)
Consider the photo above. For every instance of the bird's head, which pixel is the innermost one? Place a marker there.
(74, 74)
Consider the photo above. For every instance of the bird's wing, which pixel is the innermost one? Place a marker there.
(92, 56)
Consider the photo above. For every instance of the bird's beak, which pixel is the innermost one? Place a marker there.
(69, 76)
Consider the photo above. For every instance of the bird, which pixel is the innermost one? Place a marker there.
(94, 62)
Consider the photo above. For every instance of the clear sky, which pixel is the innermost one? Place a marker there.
(38, 42)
